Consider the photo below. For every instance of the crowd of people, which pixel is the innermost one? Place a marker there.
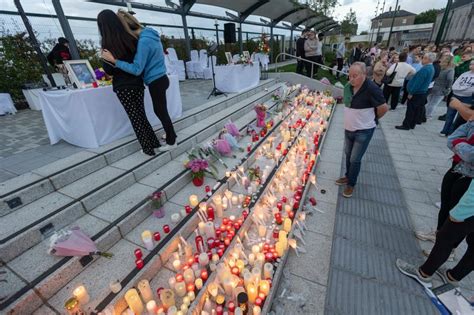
(421, 77)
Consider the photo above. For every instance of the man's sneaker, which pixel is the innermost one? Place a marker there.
(426, 236)
(442, 135)
(168, 147)
(443, 273)
(348, 191)
(413, 272)
(427, 253)
(342, 181)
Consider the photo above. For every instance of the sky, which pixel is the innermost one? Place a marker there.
(365, 10)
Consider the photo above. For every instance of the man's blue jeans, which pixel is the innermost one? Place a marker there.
(356, 143)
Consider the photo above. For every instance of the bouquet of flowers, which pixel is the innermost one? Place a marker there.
(263, 46)
(157, 204)
(102, 76)
(199, 167)
(243, 60)
(261, 111)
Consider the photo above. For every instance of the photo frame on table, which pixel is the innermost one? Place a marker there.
(246, 54)
(81, 74)
(228, 56)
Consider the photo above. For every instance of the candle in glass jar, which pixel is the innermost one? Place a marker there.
(138, 253)
(191, 295)
(133, 301)
(262, 230)
(166, 228)
(188, 276)
(145, 290)
(209, 230)
(175, 217)
(147, 239)
(267, 271)
(198, 283)
(287, 224)
(167, 298)
(203, 259)
(193, 200)
(210, 213)
(115, 286)
(151, 307)
(264, 287)
(139, 263)
(180, 288)
(80, 293)
(256, 310)
(252, 293)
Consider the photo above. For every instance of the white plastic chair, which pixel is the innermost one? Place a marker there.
(191, 65)
(203, 63)
(177, 64)
(235, 58)
(208, 70)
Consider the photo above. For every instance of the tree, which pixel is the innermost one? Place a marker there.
(325, 7)
(364, 33)
(349, 23)
(427, 16)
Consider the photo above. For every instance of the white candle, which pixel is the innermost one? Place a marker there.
(193, 200)
(225, 203)
(251, 259)
(267, 271)
(218, 203)
(172, 282)
(198, 283)
(151, 307)
(256, 275)
(80, 293)
(203, 259)
(188, 275)
(241, 198)
(186, 300)
(183, 212)
(202, 227)
(175, 217)
(147, 239)
(228, 286)
(184, 308)
(256, 310)
(192, 295)
(177, 264)
(134, 302)
(235, 200)
(255, 249)
(115, 286)
(264, 287)
(145, 290)
(209, 230)
(180, 288)
(262, 230)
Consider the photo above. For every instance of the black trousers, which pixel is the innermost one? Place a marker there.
(453, 187)
(405, 92)
(392, 92)
(300, 66)
(132, 100)
(158, 95)
(340, 63)
(448, 238)
(414, 110)
(309, 65)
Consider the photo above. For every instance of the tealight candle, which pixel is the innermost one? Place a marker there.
(235, 200)
(192, 295)
(133, 301)
(203, 259)
(264, 287)
(80, 293)
(177, 264)
(115, 286)
(180, 288)
(166, 228)
(156, 237)
(138, 253)
(139, 263)
(193, 200)
(175, 217)
(267, 271)
(188, 276)
(184, 308)
(198, 283)
(256, 310)
(190, 287)
(186, 300)
(151, 307)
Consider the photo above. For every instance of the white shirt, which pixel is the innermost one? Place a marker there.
(402, 71)
(464, 85)
(319, 48)
(359, 119)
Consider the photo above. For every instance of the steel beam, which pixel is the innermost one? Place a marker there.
(66, 29)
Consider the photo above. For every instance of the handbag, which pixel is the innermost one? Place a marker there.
(387, 79)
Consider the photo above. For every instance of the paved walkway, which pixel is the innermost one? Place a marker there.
(352, 244)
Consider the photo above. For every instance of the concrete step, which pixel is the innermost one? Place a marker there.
(124, 212)
(99, 186)
(24, 189)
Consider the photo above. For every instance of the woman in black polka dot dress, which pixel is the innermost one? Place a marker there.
(129, 88)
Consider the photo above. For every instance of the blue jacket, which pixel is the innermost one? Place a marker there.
(465, 207)
(421, 80)
(149, 59)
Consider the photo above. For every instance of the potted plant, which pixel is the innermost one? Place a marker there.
(157, 204)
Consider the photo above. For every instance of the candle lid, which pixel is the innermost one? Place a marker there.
(71, 303)
(242, 298)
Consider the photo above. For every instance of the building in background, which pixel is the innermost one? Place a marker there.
(460, 23)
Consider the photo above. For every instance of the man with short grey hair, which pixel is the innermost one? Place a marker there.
(417, 89)
(364, 104)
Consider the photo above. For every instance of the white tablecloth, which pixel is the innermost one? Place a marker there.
(6, 104)
(237, 78)
(32, 97)
(92, 117)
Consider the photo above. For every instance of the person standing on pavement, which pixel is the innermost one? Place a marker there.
(311, 49)
(442, 85)
(417, 89)
(300, 52)
(458, 226)
(319, 51)
(402, 70)
(365, 104)
(340, 53)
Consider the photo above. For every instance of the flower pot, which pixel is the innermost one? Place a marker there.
(198, 181)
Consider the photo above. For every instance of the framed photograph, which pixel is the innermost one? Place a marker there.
(228, 56)
(246, 54)
(80, 72)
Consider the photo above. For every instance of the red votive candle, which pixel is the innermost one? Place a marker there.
(245, 213)
(210, 243)
(231, 306)
(266, 246)
(179, 277)
(204, 275)
(218, 233)
(220, 252)
(278, 218)
(139, 263)
(138, 253)
(235, 271)
(269, 257)
(279, 206)
(236, 225)
(210, 213)
(258, 302)
(296, 205)
(227, 242)
(166, 228)
(291, 215)
(284, 199)
(156, 236)
(219, 310)
(225, 221)
(188, 209)
(261, 296)
(190, 287)
(276, 232)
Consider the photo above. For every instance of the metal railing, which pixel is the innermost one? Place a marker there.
(313, 63)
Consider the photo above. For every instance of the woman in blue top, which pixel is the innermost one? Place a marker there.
(149, 61)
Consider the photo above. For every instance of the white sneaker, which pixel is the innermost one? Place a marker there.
(442, 135)
(438, 204)
(451, 257)
(167, 147)
(426, 236)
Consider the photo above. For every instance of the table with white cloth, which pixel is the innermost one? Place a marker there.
(237, 78)
(6, 104)
(92, 117)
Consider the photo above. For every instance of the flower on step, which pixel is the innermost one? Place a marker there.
(156, 201)
(198, 167)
